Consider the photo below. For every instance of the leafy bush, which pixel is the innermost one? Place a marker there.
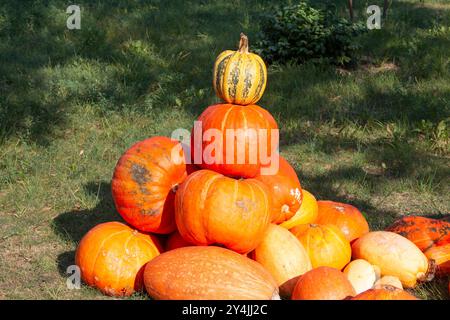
(298, 33)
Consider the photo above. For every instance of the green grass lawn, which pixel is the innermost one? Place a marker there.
(72, 101)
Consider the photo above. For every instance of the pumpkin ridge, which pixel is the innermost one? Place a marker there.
(103, 243)
(121, 261)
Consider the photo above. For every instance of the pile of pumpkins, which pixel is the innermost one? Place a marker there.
(222, 230)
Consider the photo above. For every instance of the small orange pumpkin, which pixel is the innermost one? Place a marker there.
(323, 283)
(326, 245)
(306, 214)
(207, 273)
(175, 241)
(285, 190)
(111, 257)
(234, 139)
(387, 292)
(344, 216)
(144, 184)
(215, 209)
(283, 256)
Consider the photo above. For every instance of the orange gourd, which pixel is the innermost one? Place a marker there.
(424, 232)
(283, 256)
(215, 209)
(207, 273)
(326, 245)
(385, 293)
(144, 183)
(175, 241)
(306, 214)
(234, 140)
(285, 190)
(323, 283)
(344, 216)
(441, 256)
(111, 257)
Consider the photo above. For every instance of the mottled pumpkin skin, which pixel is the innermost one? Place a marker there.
(144, 183)
(207, 273)
(441, 256)
(111, 257)
(244, 149)
(323, 283)
(285, 190)
(385, 293)
(307, 213)
(424, 232)
(344, 216)
(214, 209)
(326, 245)
(240, 77)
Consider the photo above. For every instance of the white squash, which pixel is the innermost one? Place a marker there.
(361, 275)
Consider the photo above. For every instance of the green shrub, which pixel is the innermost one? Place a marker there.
(299, 33)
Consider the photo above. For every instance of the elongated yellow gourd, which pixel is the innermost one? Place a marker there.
(282, 254)
(395, 256)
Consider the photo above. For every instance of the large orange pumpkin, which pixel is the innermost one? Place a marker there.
(283, 256)
(441, 256)
(175, 241)
(323, 283)
(306, 214)
(326, 245)
(111, 257)
(285, 191)
(144, 184)
(240, 77)
(207, 273)
(385, 293)
(344, 216)
(424, 232)
(234, 140)
(215, 209)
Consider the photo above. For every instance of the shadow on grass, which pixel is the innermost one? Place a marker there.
(73, 225)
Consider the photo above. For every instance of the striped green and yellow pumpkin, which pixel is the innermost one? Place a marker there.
(240, 77)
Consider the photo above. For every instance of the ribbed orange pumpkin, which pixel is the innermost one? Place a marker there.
(111, 257)
(385, 293)
(285, 191)
(326, 245)
(306, 214)
(240, 77)
(214, 209)
(207, 273)
(344, 216)
(240, 138)
(424, 232)
(283, 256)
(323, 283)
(176, 241)
(441, 256)
(144, 184)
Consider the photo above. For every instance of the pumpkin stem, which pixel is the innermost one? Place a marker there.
(174, 188)
(429, 275)
(243, 44)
